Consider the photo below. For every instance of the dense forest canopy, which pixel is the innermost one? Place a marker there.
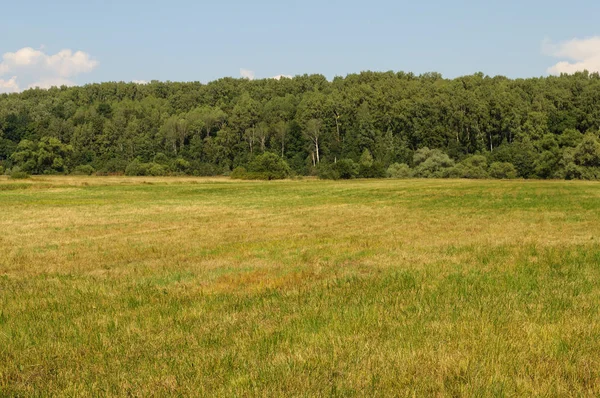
(361, 125)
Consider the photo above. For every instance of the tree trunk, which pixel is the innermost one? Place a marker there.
(337, 126)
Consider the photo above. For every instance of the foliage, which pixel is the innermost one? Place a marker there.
(45, 157)
(326, 171)
(582, 162)
(17, 174)
(502, 170)
(372, 119)
(471, 167)
(267, 166)
(136, 168)
(587, 153)
(431, 163)
(399, 170)
(344, 169)
(156, 170)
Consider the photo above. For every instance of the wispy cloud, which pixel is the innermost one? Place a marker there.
(35, 68)
(580, 54)
(247, 74)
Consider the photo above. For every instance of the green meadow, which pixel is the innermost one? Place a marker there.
(116, 286)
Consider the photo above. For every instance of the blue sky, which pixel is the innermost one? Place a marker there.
(182, 40)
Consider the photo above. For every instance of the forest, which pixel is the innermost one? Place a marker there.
(371, 124)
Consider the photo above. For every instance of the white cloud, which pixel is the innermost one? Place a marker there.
(582, 54)
(38, 69)
(279, 77)
(9, 86)
(140, 81)
(247, 74)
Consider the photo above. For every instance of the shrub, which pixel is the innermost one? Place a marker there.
(587, 153)
(432, 163)
(19, 175)
(83, 170)
(399, 170)
(156, 170)
(503, 170)
(472, 167)
(161, 158)
(239, 173)
(582, 162)
(574, 172)
(346, 169)
(113, 166)
(547, 163)
(136, 168)
(268, 166)
(181, 165)
(524, 157)
(326, 171)
(204, 169)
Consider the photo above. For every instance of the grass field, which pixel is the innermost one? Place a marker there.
(182, 286)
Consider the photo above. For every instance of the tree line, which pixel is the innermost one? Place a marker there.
(371, 124)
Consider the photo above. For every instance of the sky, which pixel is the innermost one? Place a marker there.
(45, 43)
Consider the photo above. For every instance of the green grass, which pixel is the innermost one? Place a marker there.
(182, 286)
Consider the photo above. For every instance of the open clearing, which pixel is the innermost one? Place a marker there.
(156, 286)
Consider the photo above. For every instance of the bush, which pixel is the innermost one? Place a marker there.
(571, 171)
(112, 166)
(369, 168)
(205, 169)
(83, 170)
(267, 166)
(587, 153)
(239, 173)
(156, 170)
(472, 167)
(136, 168)
(161, 158)
(181, 165)
(432, 163)
(344, 169)
(547, 164)
(399, 170)
(376, 170)
(326, 171)
(502, 170)
(19, 175)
